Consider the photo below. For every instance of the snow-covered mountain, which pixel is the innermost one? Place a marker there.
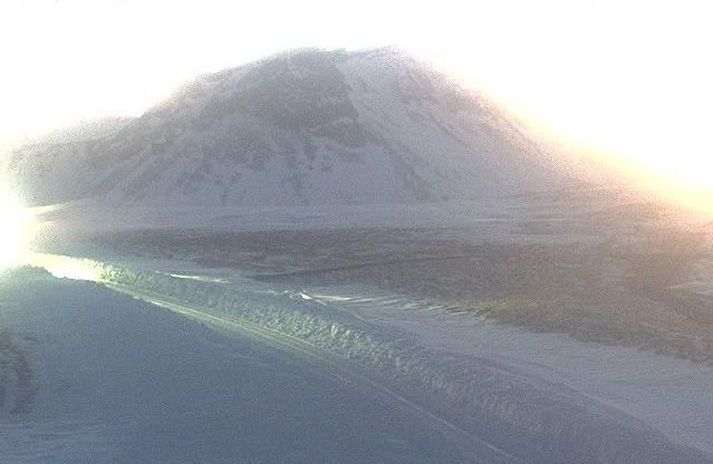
(308, 127)
(89, 129)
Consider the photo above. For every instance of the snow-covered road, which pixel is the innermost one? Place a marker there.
(110, 379)
(407, 381)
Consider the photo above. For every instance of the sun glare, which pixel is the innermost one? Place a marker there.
(639, 93)
(16, 226)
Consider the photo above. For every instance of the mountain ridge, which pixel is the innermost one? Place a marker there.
(304, 127)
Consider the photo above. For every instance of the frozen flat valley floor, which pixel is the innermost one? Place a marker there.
(545, 334)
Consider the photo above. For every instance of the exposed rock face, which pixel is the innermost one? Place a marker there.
(303, 128)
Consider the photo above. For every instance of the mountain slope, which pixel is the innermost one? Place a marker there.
(307, 127)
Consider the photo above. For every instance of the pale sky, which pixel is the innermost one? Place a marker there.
(632, 78)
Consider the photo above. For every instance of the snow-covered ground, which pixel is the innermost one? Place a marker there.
(504, 394)
(671, 395)
(348, 257)
(396, 341)
(90, 376)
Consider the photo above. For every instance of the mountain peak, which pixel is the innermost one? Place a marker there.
(306, 126)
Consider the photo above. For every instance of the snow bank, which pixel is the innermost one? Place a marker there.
(533, 417)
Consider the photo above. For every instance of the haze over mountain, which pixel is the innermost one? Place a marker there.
(308, 127)
(286, 250)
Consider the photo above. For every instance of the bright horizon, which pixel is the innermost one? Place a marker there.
(629, 79)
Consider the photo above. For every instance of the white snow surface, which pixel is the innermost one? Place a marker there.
(308, 127)
(91, 376)
(670, 394)
(536, 397)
